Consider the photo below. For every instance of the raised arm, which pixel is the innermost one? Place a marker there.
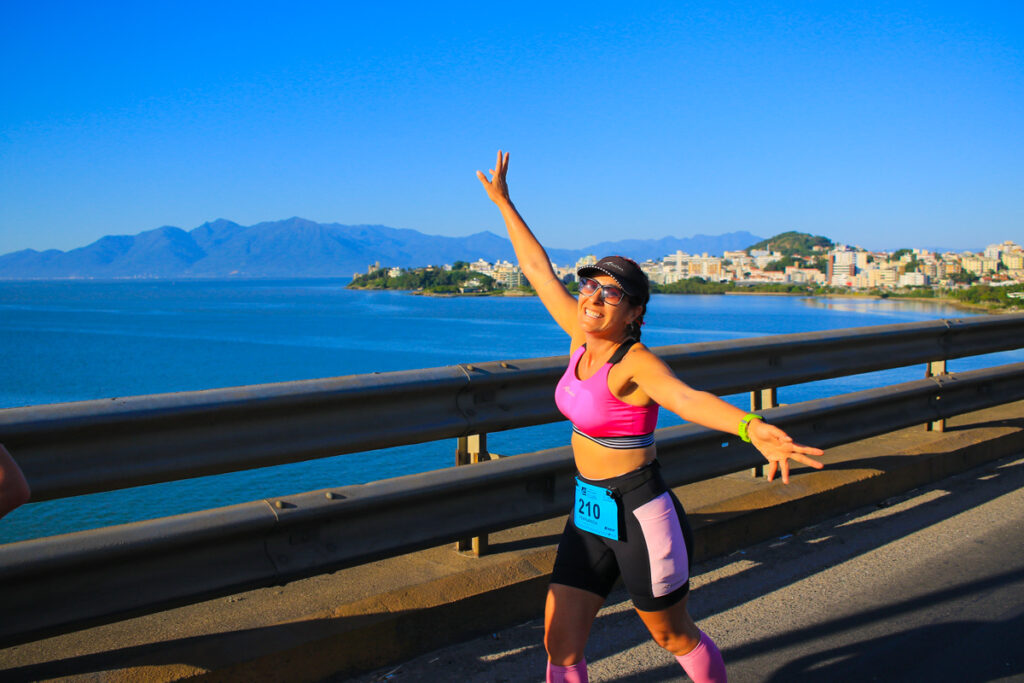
(658, 381)
(533, 260)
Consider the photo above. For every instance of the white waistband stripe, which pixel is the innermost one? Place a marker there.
(621, 442)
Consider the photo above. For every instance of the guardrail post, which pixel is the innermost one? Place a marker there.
(762, 399)
(471, 450)
(934, 368)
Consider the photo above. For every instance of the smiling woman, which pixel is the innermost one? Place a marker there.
(625, 520)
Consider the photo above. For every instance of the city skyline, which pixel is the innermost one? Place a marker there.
(884, 126)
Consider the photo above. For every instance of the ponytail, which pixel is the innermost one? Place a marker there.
(633, 329)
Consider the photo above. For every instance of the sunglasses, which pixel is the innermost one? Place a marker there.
(610, 294)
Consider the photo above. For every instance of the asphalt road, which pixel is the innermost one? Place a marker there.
(927, 587)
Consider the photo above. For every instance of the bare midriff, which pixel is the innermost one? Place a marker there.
(595, 461)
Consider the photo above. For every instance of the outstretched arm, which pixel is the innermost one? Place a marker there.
(13, 487)
(658, 381)
(533, 260)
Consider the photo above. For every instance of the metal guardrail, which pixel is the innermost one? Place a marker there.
(77, 448)
(55, 584)
(75, 580)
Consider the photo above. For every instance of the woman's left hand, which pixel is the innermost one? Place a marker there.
(497, 186)
(778, 448)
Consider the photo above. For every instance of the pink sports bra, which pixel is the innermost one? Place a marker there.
(597, 414)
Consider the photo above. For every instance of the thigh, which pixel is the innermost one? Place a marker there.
(655, 559)
(584, 561)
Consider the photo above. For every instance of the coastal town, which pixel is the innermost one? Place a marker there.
(788, 262)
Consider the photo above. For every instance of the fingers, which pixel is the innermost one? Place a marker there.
(499, 170)
(501, 165)
(778, 459)
(807, 461)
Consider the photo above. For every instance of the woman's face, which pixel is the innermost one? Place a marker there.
(597, 316)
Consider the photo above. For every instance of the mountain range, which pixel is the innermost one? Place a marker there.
(297, 247)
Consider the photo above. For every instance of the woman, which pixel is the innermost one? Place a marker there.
(625, 519)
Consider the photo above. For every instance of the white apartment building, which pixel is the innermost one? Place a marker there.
(805, 275)
(673, 268)
(915, 279)
(508, 275)
(993, 251)
(481, 266)
(757, 275)
(842, 266)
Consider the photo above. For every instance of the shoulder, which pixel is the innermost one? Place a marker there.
(638, 351)
(640, 360)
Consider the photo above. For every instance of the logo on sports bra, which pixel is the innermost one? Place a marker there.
(569, 391)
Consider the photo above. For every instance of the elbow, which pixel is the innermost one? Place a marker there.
(534, 267)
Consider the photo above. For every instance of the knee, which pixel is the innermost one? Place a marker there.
(676, 642)
(563, 649)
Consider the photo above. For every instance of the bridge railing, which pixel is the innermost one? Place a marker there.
(58, 583)
(77, 448)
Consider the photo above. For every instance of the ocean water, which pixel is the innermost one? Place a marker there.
(80, 340)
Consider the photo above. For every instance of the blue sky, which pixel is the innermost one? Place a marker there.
(884, 125)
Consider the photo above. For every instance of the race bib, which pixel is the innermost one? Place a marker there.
(596, 510)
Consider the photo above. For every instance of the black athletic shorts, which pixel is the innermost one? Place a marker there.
(653, 551)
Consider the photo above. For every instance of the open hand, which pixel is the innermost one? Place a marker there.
(496, 187)
(778, 448)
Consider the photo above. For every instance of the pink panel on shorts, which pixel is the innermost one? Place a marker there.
(666, 548)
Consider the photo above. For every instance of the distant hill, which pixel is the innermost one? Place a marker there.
(792, 242)
(301, 248)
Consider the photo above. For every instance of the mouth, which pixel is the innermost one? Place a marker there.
(591, 314)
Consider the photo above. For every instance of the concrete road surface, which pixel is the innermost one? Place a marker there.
(928, 587)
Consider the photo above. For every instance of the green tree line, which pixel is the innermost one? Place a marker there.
(998, 297)
(434, 280)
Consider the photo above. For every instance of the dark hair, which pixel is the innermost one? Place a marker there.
(633, 328)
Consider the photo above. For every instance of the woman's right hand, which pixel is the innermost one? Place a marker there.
(496, 187)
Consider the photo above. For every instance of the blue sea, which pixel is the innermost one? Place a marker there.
(80, 340)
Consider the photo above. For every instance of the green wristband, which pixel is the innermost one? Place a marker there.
(745, 423)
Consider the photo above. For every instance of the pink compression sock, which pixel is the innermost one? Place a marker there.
(703, 664)
(574, 673)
